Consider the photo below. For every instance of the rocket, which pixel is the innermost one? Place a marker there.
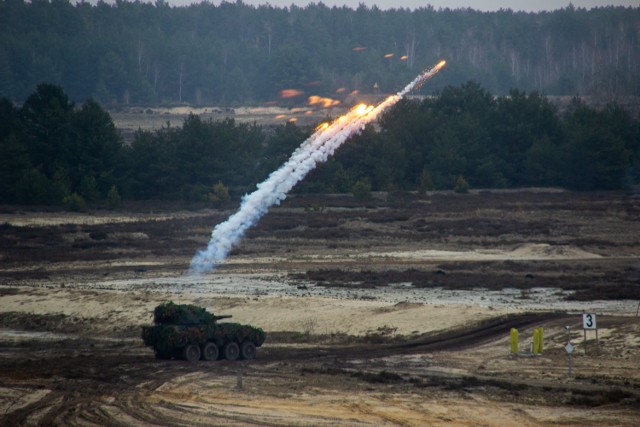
(316, 149)
(427, 74)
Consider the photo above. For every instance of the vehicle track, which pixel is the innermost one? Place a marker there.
(454, 339)
(101, 383)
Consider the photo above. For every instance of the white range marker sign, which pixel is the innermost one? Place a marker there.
(589, 321)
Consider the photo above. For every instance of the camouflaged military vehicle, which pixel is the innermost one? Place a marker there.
(188, 332)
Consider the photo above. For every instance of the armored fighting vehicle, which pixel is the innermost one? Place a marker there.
(188, 332)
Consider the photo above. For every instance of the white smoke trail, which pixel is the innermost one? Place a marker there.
(316, 149)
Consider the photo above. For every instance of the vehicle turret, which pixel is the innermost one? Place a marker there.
(184, 314)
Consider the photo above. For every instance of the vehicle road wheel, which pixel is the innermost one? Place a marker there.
(231, 351)
(210, 352)
(248, 350)
(183, 341)
(191, 353)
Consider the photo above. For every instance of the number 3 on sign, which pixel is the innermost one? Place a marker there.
(588, 321)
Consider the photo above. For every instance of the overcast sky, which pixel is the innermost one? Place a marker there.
(526, 5)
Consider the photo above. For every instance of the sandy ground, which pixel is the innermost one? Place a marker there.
(376, 315)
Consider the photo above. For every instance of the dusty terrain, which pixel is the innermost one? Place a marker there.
(394, 311)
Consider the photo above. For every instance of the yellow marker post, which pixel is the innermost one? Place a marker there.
(540, 340)
(514, 341)
(536, 341)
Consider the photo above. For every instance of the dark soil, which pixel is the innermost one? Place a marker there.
(604, 223)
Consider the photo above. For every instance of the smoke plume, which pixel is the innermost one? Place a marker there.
(316, 149)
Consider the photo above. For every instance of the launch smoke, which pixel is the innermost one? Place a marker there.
(316, 149)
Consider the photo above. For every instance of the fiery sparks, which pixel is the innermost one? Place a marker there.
(423, 77)
(362, 109)
(322, 102)
(290, 93)
(326, 139)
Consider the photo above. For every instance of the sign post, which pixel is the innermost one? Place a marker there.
(569, 349)
(589, 323)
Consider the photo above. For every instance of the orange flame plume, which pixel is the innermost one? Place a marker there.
(322, 102)
(290, 93)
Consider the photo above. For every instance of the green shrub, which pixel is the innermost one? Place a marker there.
(60, 185)
(462, 186)
(89, 188)
(34, 187)
(74, 202)
(113, 197)
(219, 195)
(361, 190)
(425, 182)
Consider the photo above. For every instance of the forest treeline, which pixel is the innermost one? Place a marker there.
(232, 53)
(54, 152)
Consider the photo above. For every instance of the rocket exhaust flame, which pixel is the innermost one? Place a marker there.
(422, 78)
(326, 139)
